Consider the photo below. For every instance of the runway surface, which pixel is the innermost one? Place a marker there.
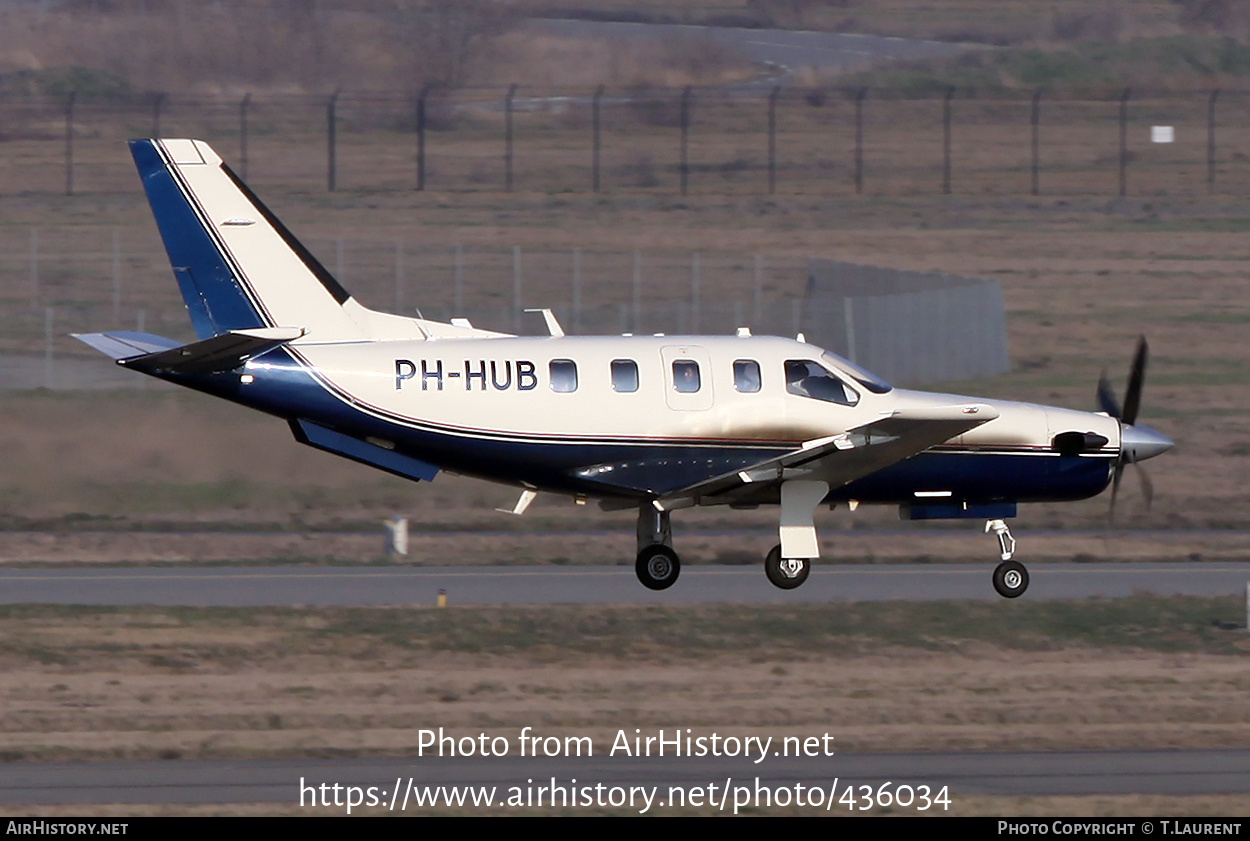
(314, 585)
(279, 781)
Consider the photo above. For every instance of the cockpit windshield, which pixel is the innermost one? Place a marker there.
(865, 378)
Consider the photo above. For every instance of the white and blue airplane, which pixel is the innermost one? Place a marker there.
(652, 423)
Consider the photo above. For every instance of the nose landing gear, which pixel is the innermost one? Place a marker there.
(1011, 578)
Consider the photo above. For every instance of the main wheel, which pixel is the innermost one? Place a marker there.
(657, 567)
(1011, 579)
(786, 573)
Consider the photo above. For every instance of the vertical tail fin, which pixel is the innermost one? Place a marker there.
(237, 265)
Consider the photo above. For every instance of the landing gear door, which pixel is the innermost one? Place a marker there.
(687, 377)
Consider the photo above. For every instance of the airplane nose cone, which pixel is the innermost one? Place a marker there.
(1139, 443)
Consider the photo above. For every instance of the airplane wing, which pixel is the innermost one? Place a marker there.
(840, 459)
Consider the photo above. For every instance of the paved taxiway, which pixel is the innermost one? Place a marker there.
(1178, 772)
(243, 586)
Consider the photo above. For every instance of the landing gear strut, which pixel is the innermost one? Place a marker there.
(789, 563)
(658, 565)
(1011, 578)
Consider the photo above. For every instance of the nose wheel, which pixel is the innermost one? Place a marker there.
(1011, 579)
(786, 573)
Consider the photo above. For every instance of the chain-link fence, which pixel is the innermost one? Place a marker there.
(55, 281)
(786, 141)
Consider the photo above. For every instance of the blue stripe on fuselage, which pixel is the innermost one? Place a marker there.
(213, 295)
(285, 388)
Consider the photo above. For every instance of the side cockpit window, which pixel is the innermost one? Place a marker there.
(563, 375)
(624, 376)
(807, 378)
(747, 376)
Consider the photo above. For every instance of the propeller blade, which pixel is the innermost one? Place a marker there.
(1107, 401)
(1132, 397)
(1147, 486)
(1115, 486)
(1133, 442)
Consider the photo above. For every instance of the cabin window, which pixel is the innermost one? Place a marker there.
(807, 378)
(747, 376)
(686, 376)
(624, 375)
(563, 375)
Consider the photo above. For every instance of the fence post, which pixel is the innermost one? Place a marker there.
(577, 290)
(117, 277)
(516, 287)
(758, 303)
(772, 139)
(595, 138)
(243, 105)
(946, 140)
(457, 279)
(332, 141)
(158, 101)
(69, 143)
(637, 292)
(1035, 120)
(507, 150)
(1211, 140)
(694, 293)
(685, 139)
(421, 136)
(1124, 141)
(34, 267)
(47, 347)
(399, 276)
(859, 139)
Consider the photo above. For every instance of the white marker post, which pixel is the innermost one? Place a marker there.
(396, 536)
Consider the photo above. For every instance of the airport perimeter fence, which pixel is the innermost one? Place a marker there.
(55, 281)
(911, 327)
(754, 140)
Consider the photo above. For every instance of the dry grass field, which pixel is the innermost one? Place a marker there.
(137, 683)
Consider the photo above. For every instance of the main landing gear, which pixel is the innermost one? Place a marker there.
(786, 573)
(658, 565)
(788, 564)
(1011, 578)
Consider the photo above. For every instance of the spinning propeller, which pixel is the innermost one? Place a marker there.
(1137, 443)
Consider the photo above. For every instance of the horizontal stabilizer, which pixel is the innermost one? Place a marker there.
(214, 355)
(125, 344)
(378, 455)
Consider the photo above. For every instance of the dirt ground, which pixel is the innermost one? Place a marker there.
(153, 683)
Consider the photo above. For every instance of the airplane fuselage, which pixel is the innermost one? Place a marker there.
(608, 417)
